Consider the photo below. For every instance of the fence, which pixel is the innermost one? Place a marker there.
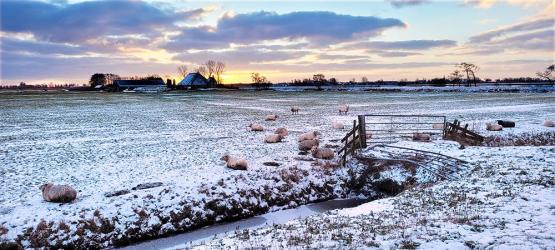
(383, 129)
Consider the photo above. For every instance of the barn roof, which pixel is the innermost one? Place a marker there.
(137, 83)
(194, 79)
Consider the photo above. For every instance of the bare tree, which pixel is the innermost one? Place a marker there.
(364, 79)
(202, 70)
(210, 67)
(182, 70)
(319, 79)
(259, 81)
(219, 70)
(456, 77)
(469, 69)
(548, 74)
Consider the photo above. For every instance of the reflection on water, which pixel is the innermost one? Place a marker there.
(278, 217)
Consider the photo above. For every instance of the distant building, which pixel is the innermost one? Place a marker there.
(140, 85)
(197, 80)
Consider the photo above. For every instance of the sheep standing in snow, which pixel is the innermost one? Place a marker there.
(322, 153)
(493, 127)
(256, 127)
(308, 144)
(235, 162)
(549, 123)
(58, 193)
(295, 109)
(343, 109)
(271, 117)
(282, 131)
(309, 136)
(337, 125)
(421, 137)
(273, 138)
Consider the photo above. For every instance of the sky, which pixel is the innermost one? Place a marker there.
(67, 41)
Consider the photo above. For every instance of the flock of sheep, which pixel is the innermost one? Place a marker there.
(309, 141)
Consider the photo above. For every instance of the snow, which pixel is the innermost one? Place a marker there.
(506, 201)
(102, 142)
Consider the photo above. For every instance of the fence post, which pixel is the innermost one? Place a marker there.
(362, 131)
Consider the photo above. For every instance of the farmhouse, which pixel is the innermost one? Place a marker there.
(197, 80)
(140, 85)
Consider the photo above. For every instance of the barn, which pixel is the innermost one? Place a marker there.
(197, 80)
(140, 85)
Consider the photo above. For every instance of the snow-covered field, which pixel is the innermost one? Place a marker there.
(101, 142)
(506, 202)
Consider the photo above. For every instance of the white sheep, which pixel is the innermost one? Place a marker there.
(273, 138)
(271, 117)
(256, 127)
(58, 193)
(308, 144)
(295, 109)
(421, 137)
(343, 109)
(282, 131)
(493, 127)
(337, 125)
(322, 153)
(309, 135)
(235, 163)
(549, 123)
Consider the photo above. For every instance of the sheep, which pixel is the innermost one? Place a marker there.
(273, 138)
(493, 127)
(322, 153)
(337, 125)
(437, 125)
(308, 144)
(271, 117)
(420, 137)
(343, 109)
(549, 123)
(235, 163)
(282, 131)
(295, 109)
(58, 193)
(256, 127)
(309, 135)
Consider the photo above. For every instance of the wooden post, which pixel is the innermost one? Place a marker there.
(362, 131)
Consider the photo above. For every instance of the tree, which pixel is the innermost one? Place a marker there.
(210, 67)
(333, 81)
(548, 74)
(456, 77)
(364, 79)
(202, 70)
(219, 70)
(260, 81)
(469, 69)
(319, 79)
(97, 79)
(182, 70)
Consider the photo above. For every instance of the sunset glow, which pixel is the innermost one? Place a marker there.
(390, 39)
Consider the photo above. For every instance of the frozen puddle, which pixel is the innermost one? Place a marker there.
(279, 217)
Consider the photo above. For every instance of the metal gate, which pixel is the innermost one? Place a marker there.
(383, 129)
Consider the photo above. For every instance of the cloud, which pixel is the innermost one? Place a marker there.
(239, 57)
(34, 47)
(74, 23)
(405, 3)
(489, 3)
(397, 53)
(520, 27)
(318, 27)
(408, 44)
